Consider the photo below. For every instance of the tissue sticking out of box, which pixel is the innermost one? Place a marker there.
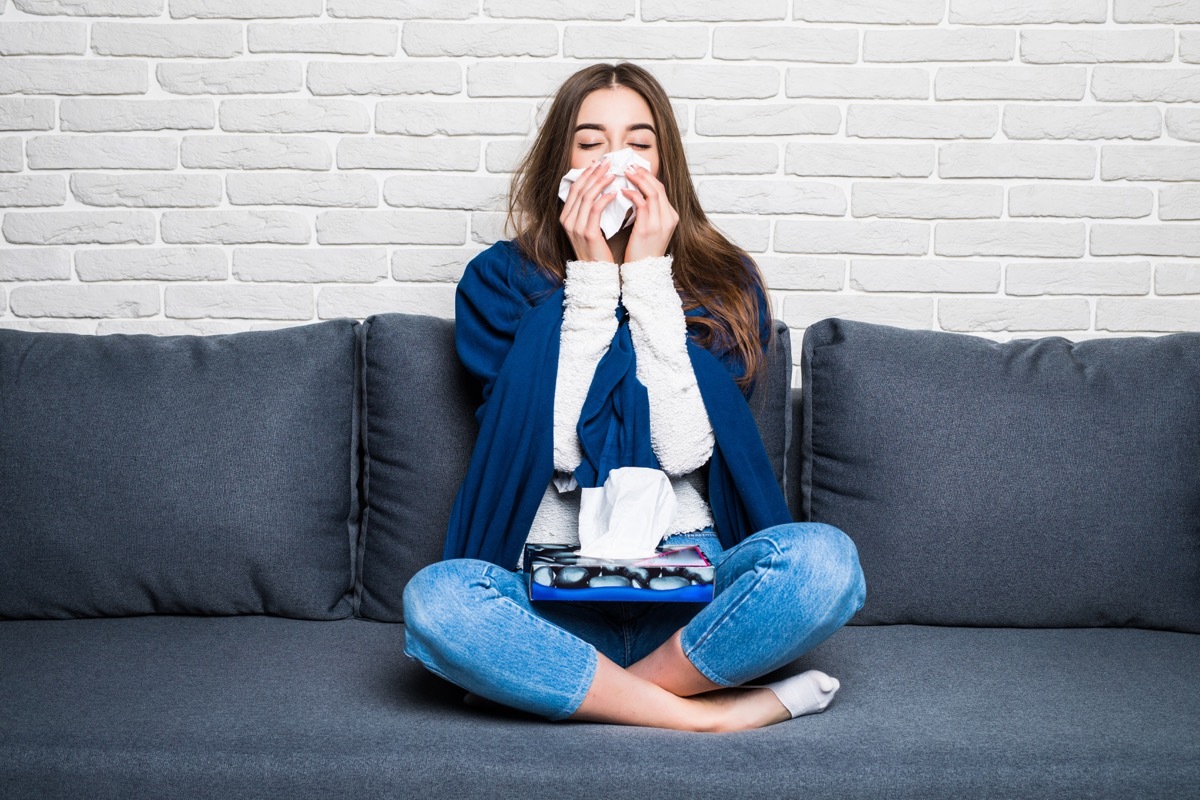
(613, 215)
(628, 516)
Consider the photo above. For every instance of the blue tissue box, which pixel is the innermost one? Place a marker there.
(673, 574)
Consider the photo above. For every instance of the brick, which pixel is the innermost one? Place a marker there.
(1163, 85)
(898, 12)
(239, 302)
(868, 83)
(310, 264)
(732, 158)
(470, 193)
(1148, 314)
(235, 227)
(225, 151)
(400, 77)
(922, 121)
(939, 44)
(93, 8)
(1179, 202)
(361, 302)
(1049, 239)
(442, 264)
(504, 156)
(27, 114)
(800, 311)
(988, 314)
(713, 10)
(152, 264)
(1169, 278)
(28, 191)
(155, 190)
(926, 201)
(1145, 162)
(240, 77)
(167, 40)
(180, 327)
(92, 115)
(1078, 277)
(1184, 124)
(1097, 47)
(763, 119)
(67, 76)
(803, 273)
(244, 9)
(1098, 202)
(102, 152)
(559, 9)
(310, 115)
(84, 301)
(35, 263)
(391, 227)
(623, 41)
(488, 227)
(924, 275)
(980, 160)
(43, 38)
(344, 38)
(1082, 122)
(405, 9)
(78, 227)
(772, 197)
(866, 238)
(723, 82)
(517, 78)
(1114, 239)
(1010, 83)
(1006, 12)
(1171, 11)
(818, 45)
(752, 234)
(1189, 46)
(481, 40)
(859, 160)
(11, 157)
(490, 117)
(303, 189)
(395, 152)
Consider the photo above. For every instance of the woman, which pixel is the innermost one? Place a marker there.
(636, 350)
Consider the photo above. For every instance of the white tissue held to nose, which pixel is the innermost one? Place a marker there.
(613, 215)
(628, 516)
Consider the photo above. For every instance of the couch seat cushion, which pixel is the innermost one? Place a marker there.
(279, 708)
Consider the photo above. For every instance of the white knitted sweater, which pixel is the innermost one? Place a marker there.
(680, 432)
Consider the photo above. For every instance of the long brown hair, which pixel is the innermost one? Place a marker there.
(709, 270)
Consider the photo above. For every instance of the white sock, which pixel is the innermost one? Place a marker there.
(807, 693)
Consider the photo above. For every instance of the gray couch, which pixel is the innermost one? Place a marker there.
(204, 543)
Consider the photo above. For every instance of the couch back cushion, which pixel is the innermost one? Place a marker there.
(419, 425)
(1035, 482)
(150, 474)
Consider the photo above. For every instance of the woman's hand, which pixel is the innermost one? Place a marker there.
(656, 219)
(580, 216)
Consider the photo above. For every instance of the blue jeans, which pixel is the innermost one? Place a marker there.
(777, 594)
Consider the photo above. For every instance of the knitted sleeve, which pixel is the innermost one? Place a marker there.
(590, 293)
(680, 431)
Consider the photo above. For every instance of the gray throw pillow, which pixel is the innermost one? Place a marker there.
(1035, 482)
(150, 474)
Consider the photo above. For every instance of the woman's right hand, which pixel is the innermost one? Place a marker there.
(580, 216)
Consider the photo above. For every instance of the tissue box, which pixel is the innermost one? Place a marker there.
(674, 574)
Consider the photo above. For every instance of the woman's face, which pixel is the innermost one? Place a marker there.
(611, 119)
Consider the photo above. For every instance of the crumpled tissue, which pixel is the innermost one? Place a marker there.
(613, 215)
(628, 516)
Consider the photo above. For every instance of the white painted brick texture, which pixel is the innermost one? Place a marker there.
(1003, 168)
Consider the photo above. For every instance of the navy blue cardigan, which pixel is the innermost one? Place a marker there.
(508, 316)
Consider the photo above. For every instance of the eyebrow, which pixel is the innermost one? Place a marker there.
(637, 126)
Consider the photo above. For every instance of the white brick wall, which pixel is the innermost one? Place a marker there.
(1008, 168)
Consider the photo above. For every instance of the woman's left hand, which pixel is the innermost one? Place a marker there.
(656, 219)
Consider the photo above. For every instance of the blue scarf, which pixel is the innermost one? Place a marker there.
(508, 317)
